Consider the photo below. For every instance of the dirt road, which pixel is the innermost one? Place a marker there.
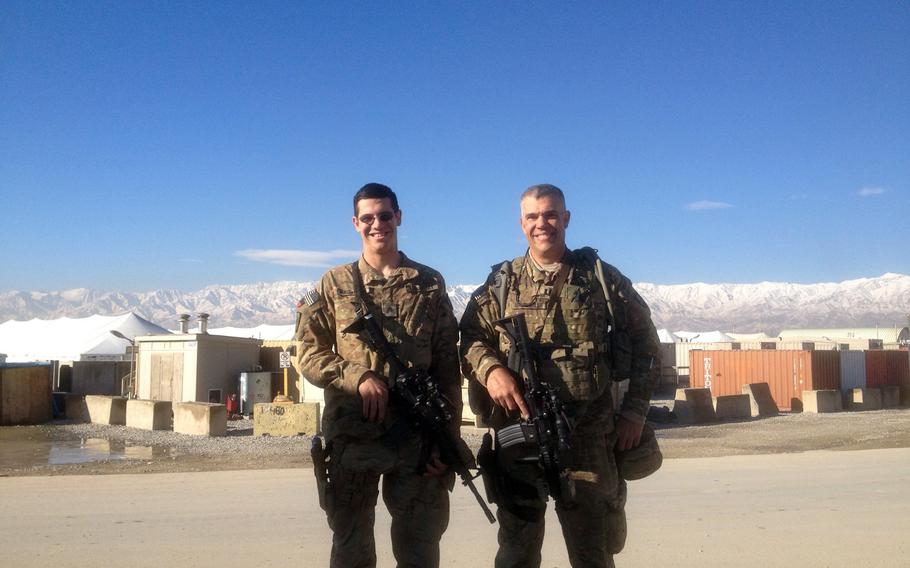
(811, 509)
(48, 450)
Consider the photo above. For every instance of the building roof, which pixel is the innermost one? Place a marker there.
(886, 334)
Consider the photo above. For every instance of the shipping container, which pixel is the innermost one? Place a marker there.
(788, 373)
(852, 370)
(887, 368)
(684, 347)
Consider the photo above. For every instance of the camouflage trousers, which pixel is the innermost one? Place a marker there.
(593, 522)
(419, 506)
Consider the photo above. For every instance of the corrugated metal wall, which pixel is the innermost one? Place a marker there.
(887, 368)
(787, 373)
(852, 370)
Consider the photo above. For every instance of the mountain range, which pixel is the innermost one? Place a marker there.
(765, 306)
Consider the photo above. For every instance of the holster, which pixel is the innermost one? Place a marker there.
(321, 457)
(489, 470)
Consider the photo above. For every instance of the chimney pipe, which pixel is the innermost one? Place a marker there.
(203, 322)
(184, 323)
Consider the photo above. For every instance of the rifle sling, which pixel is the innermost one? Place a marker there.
(360, 309)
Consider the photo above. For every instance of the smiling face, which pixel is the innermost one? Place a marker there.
(544, 221)
(377, 222)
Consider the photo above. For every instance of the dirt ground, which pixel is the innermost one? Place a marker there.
(43, 450)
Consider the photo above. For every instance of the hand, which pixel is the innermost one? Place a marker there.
(375, 395)
(503, 389)
(628, 433)
(435, 466)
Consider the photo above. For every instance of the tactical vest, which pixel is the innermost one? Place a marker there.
(595, 344)
(612, 336)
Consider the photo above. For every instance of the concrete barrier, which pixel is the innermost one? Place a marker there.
(760, 399)
(819, 401)
(905, 396)
(106, 409)
(863, 399)
(694, 406)
(733, 407)
(891, 396)
(200, 418)
(149, 414)
(74, 407)
(286, 419)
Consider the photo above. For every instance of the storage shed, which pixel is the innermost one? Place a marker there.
(193, 367)
(788, 373)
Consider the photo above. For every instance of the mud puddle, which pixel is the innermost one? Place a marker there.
(26, 447)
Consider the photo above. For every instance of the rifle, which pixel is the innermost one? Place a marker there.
(417, 396)
(547, 426)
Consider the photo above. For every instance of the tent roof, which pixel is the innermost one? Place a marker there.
(703, 336)
(265, 331)
(67, 339)
(760, 336)
(666, 336)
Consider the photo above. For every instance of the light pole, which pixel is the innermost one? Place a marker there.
(130, 393)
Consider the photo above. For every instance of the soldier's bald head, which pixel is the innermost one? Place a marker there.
(542, 190)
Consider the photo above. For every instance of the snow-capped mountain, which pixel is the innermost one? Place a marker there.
(766, 306)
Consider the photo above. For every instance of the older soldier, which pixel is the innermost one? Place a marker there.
(365, 437)
(587, 330)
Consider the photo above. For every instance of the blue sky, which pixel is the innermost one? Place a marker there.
(147, 145)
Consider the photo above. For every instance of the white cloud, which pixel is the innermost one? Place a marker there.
(705, 205)
(312, 258)
(870, 191)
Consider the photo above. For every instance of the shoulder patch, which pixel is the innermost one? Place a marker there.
(309, 298)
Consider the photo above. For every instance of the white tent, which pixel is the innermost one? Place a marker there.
(666, 336)
(760, 336)
(703, 336)
(266, 332)
(67, 339)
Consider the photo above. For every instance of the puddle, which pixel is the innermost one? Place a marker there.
(20, 449)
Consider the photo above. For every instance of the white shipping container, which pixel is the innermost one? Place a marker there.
(852, 370)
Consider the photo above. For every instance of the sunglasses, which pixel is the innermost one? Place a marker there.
(383, 217)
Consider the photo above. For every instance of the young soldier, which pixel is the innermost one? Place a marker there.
(583, 340)
(366, 439)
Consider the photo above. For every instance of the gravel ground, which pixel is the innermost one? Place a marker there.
(36, 450)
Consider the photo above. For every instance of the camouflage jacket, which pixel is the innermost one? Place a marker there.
(414, 310)
(586, 346)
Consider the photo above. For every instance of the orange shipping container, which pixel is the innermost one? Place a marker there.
(788, 373)
(887, 368)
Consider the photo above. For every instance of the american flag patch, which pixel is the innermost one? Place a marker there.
(310, 297)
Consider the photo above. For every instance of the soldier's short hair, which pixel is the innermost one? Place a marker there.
(376, 191)
(544, 190)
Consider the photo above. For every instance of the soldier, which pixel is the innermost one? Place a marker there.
(365, 438)
(587, 330)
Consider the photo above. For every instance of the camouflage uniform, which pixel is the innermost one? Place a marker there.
(577, 333)
(416, 315)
